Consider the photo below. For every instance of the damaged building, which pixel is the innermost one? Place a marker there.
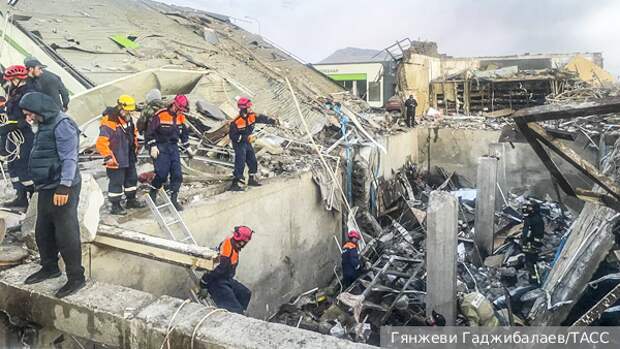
(438, 207)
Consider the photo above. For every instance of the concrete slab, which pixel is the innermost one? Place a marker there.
(122, 317)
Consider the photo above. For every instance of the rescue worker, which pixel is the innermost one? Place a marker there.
(118, 144)
(241, 137)
(351, 266)
(54, 168)
(225, 291)
(47, 82)
(164, 131)
(532, 238)
(154, 103)
(410, 106)
(478, 310)
(16, 136)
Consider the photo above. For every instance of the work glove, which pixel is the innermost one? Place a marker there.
(61, 195)
(251, 138)
(154, 152)
(110, 161)
(276, 122)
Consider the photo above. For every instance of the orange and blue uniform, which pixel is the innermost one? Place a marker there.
(351, 269)
(118, 144)
(239, 133)
(227, 292)
(166, 130)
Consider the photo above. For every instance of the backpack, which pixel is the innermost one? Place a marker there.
(147, 114)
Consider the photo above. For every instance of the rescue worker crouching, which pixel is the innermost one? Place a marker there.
(225, 291)
(351, 266)
(164, 131)
(240, 134)
(16, 136)
(118, 144)
(54, 167)
(532, 238)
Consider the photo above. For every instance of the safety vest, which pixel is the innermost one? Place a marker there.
(170, 126)
(242, 123)
(227, 250)
(349, 246)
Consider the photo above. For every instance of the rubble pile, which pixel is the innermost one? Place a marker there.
(392, 289)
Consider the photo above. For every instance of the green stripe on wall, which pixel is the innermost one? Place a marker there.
(342, 77)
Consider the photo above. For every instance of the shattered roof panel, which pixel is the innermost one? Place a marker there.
(176, 37)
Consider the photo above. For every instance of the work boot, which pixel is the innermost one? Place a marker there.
(153, 194)
(253, 182)
(117, 209)
(235, 186)
(132, 202)
(70, 288)
(21, 201)
(42, 275)
(174, 199)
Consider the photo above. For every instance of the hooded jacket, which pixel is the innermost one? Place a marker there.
(54, 156)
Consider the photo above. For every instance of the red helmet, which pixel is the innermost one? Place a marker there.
(354, 235)
(244, 103)
(242, 233)
(181, 102)
(16, 72)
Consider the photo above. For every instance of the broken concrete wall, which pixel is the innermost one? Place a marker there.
(400, 148)
(459, 149)
(416, 73)
(292, 251)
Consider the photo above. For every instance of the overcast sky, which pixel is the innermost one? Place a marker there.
(313, 29)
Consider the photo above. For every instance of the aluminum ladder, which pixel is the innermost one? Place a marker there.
(166, 223)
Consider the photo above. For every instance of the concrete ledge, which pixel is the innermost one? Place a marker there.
(127, 318)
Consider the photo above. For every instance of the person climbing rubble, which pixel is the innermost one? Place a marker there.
(118, 144)
(56, 176)
(154, 104)
(164, 132)
(351, 266)
(220, 284)
(47, 82)
(16, 135)
(241, 137)
(532, 238)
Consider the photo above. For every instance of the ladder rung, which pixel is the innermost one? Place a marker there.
(164, 205)
(173, 222)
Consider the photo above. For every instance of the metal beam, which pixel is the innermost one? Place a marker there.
(545, 158)
(575, 160)
(568, 111)
(597, 310)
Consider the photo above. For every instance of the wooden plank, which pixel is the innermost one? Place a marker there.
(159, 249)
(566, 111)
(575, 160)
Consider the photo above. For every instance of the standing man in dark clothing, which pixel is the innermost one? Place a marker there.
(241, 137)
(16, 135)
(118, 144)
(410, 105)
(47, 82)
(54, 168)
(351, 266)
(163, 134)
(532, 238)
(227, 292)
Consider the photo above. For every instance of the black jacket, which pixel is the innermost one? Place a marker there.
(51, 84)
